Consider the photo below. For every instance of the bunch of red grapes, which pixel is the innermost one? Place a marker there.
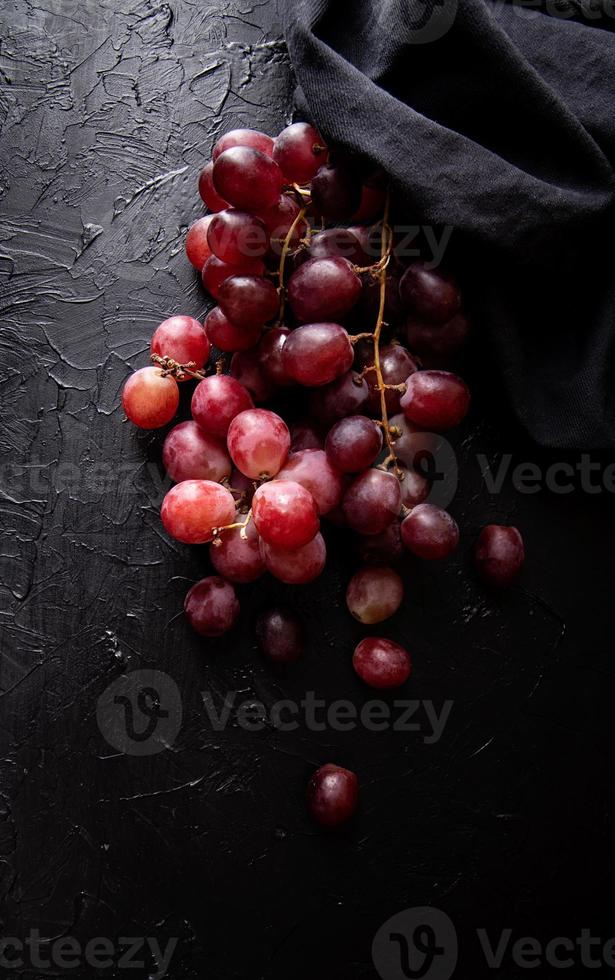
(299, 252)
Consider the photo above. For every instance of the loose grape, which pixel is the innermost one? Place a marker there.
(285, 514)
(247, 368)
(336, 193)
(244, 137)
(299, 152)
(216, 272)
(381, 548)
(149, 399)
(227, 336)
(442, 340)
(211, 606)
(312, 470)
(499, 555)
(346, 395)
(236, 557)
(189, 453)
(372, 501)
(296, 567)
(270, 355)
(435, 399)
(303, 435)
(333, 795)
(258, 441)
(381, 663)
(374, 594)
(248, 301)
(353, 443)
(323, 289)
(208, 193)
(197, 242)
(429, 293)
(216, 401)
(234, 236)
(280, 635)
(396, 365)
(183, 339)
(247, 178)
(192, 509)
(317, 353)
(430, 532)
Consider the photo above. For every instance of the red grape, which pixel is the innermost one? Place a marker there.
(226, 336)
(430, 532)
(384, 547)
(237, 558)
(248, 301)
(442, 340)
(336, 193)
(346, 395)
(396, 365)
(149, 399)
(414, 488)
(208, 193)
(183, 339)
(336, 243)
(354, 443)
(373, 200)
(280, 635)
(499, 555)
(333, 795)
(270, 355)
(244, 137)
(296, 567)
(247, 178)
(299, 152)
(211, 606)
(258, 441)
(236, 235)
(279, 219)
(192, 509)
(247, 368)
(429, 293)
(435, 399)
(374, 594)
(216, 272)
(317, 353)
(323, 289)
(189, 453)
(197, 242)
(312, 470)
(372, 501)
(285, 514)
(381, 663)
(216, 401)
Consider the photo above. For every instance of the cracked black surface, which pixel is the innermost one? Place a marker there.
(106, 118)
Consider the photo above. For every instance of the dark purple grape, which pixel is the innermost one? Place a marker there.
(441, 341)
(429, 293)
(270, 355)
(430, 532)
(333, 795)
(344, 396)
(372, 501)
(248, 301)
(499, 555)
(396, 365)
(381, 663)
(336, 243)
(280, 635)
(323, 289)
(353, 443)
(336, 193)
(381, 548)
(317, 353)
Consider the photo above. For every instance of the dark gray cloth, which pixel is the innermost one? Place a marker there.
(497, 119)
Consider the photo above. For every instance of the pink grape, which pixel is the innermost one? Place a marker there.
(149, 399)
(208, 193)
(228, 337)
(216, 401)
(304, 435)
(381, 548)
(280, 635)
(312, 470)
(285, 514)
(317, 353)
(381, 663)
(247, 179)
(323, 289)
(435, 400)
(430, 532)
(248, 301)
(197, 242)
(244, 137)
(396, 365)
(499, 555)
(347, 395)
(211, 606)
(270, 355)
(192, 509)
(247, 368)
(216, 272)
(189, 453)
(354, 443)
(372, 501)
(237, 558)
(333, 795)
(234, 236)
(442, 340)
(297, 567)
(336, 193)
(374, 594)
(300, 152)
(182, 338)
(429, 293)
(258, 441)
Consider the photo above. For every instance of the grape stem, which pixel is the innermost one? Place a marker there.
(283, 256)
(178, 371)
(217, 531)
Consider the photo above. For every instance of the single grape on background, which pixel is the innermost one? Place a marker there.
(191, 510)
(296, 567)
(317, 353)
(372, 501)
(381, 663)
(236, 554)
(190, 453)
(211, 606)
(150, 399)
(259, 442)
(333, 795)
(374, 594)
(216, 401)
(285, 514)
(499, 554)
(430, 532)
(183, 339)
(280, 635)
(312, 469)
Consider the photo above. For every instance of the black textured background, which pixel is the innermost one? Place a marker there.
(106, 118)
